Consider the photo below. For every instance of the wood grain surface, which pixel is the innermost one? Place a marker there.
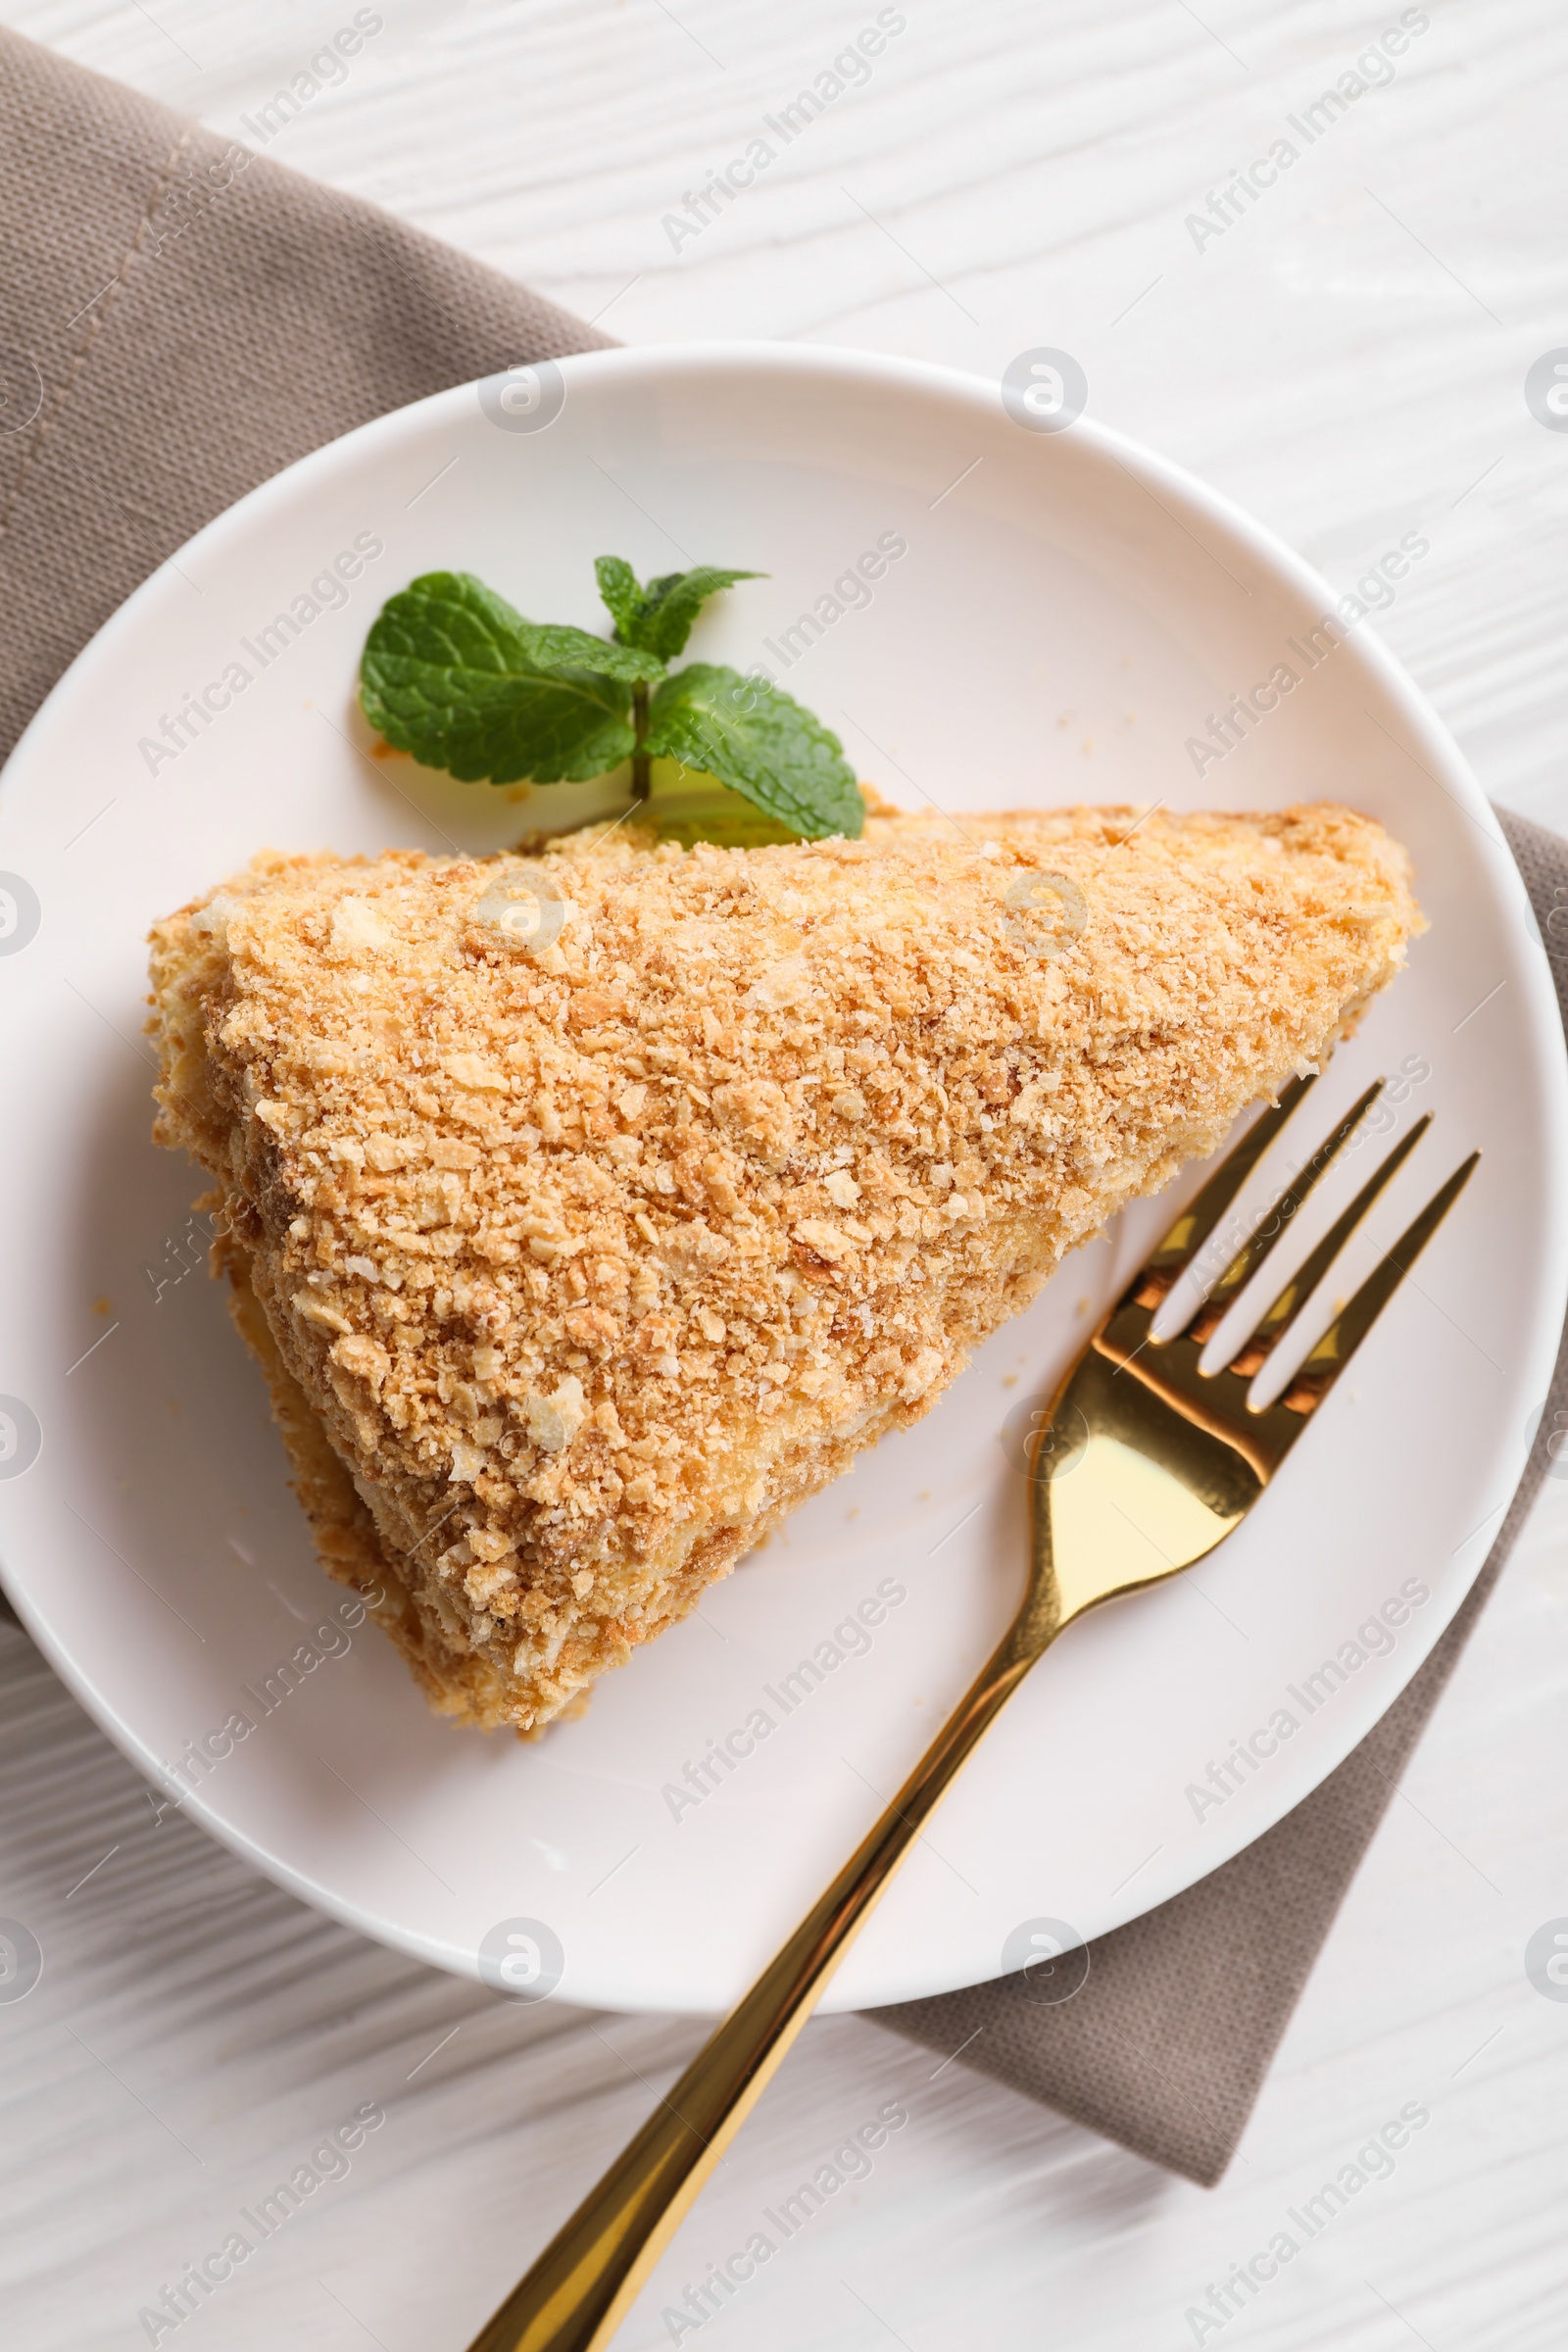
(1346, 356)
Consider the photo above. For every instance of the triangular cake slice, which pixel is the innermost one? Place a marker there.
(588, 1212)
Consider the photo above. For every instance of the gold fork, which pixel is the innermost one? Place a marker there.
(1143, 1464)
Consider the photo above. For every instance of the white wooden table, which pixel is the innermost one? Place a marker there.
(1346, 356)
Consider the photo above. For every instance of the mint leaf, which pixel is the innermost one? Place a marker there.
(660, 616)
(671, 603)
(452, 674)
(557, 647)
(760, 742)
(622, 592)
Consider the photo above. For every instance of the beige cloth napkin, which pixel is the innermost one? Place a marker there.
(181, 317)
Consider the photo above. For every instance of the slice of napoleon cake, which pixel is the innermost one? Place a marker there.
(588, 1212)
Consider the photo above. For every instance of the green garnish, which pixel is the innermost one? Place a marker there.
(758, 742)
(660, 616)
(453, 676)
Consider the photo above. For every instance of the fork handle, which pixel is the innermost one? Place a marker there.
(584, 2283)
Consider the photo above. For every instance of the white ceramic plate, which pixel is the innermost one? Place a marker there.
(1069, 611)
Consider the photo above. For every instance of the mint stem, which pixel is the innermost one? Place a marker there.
(642, 766)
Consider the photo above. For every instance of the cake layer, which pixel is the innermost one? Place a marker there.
(589, 1211)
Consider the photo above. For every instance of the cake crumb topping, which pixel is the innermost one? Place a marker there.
(590, 1258)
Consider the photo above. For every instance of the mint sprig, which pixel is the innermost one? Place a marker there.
(453, 676)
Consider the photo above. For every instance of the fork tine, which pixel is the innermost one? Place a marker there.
(1344, 1336)
(1271, 1227)
(1255, 1352)
(1203, 1212)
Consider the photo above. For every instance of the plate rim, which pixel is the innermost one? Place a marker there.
(1539, 1021)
